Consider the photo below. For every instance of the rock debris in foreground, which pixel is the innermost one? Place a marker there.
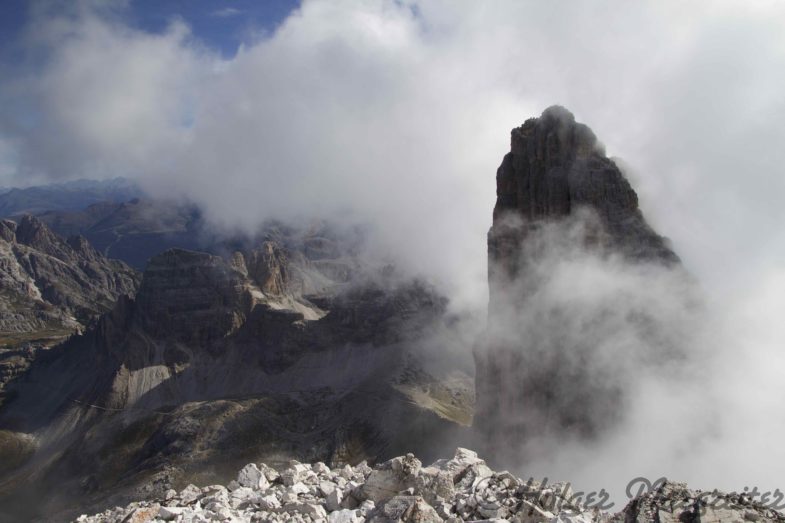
(455, 490)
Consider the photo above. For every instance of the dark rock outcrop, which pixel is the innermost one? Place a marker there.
(555, 169)
(539, 370)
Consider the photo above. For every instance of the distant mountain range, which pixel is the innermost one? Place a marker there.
(134, 230)
(66, 196)
(115, 216)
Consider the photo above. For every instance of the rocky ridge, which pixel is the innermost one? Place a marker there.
(50, 288)
(66, 196)
(67, 275)
(460, 489)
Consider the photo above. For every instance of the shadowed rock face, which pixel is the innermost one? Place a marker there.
(558, 196)
(556, 169)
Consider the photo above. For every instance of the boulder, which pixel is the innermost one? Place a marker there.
(405, 509)
(252, 477)
(391, 477)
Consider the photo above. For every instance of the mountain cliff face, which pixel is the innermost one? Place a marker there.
(290, 348)
(49, 289)
(557, 169)
(67, 196)
(562, 342)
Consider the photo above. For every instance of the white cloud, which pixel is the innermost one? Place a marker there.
(227, 12)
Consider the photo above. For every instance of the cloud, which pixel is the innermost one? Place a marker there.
(398, 113)
(227, 12)
(108, 99)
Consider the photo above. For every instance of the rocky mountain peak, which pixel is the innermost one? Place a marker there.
(556, 168)
(33, 233)
(556, 165)
(558, 196)
(30, 229)
(70, 275)
(51, 288)
(268, 265)
(82, 247)
(403, 489)
(8, 230)
(555, 137)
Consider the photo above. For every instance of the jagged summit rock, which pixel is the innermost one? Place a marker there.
(68, 274)
(557, 168)
(32, 232)
(559, 198)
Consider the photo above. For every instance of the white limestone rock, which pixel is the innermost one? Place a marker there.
(269, 502)
(190, 494)
(457, 490)
(334, 499)
(405, 509)
(391, 477)
(345, 516)
(252, 477)
(296, 472)
(269, 472)
(170, 513)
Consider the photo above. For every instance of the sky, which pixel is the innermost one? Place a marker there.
(397, 113)
(223, 25)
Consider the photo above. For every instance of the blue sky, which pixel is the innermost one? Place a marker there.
(221, 24)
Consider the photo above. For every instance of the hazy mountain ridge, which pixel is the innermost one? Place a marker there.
(132, 230)
(65, 196)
